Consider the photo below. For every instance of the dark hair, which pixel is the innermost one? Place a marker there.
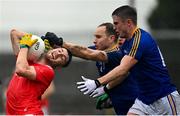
(126, 12)
(69, 60)
(110, 30)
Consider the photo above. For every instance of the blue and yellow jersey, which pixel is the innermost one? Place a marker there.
(124, 94)
(150, 71)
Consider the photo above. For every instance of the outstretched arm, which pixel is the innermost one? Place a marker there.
(115, 82)
(117, 74)
(120, 71)
(86, 53)
(76, 50)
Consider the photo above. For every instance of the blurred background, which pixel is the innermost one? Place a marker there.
(75, 21)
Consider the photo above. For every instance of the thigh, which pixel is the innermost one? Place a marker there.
(168, 105)
(176, 100)
(138, 108)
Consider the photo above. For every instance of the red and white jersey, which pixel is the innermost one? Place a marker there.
(24, 95)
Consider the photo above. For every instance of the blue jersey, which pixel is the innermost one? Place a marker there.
(150, 71)
(124, 94)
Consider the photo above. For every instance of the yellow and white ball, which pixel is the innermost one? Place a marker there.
(36, 50)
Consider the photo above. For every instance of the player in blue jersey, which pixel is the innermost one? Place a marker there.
(106, 39)
(143, 59)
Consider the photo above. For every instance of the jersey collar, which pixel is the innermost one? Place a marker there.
(134, 31)
(114, 47)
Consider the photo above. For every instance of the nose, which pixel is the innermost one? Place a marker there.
(60, 50)
(59, 55)
(94, 41)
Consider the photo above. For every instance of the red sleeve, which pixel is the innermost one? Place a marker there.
(44, 73)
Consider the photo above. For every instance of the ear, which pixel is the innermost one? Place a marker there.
(129, 22)
(113, 38)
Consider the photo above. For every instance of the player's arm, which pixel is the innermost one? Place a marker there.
(86, 53)
(78, 51)
(119, 72)
(22, 67)
(49, 91)
(15, 38)
(115, 82)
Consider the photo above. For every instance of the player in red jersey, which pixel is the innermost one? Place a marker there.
(30, 80)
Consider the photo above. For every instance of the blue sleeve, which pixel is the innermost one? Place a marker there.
(138, 45)
(115, 56)
(92, 47)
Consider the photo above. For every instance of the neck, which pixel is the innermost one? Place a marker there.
(131, 32)
(43, 60)
(112, 47)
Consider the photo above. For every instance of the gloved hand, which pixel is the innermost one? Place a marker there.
(53, 39)
(103, 102)
(97, 92)
(47, 45)
(87, 85)
(26, 41)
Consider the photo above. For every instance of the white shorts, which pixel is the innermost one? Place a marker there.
(168, 105)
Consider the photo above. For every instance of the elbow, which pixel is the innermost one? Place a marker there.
(20, 71)
(12, 32)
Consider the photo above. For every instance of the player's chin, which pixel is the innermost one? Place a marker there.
(57, 62)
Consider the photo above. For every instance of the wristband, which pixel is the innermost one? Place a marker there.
(98, 84)
(106, 89)
(24, 46)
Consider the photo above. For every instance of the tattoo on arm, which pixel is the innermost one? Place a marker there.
(86, 53)
(79, 51)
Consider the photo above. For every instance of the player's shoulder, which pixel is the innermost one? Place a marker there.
(145, 36)
(117, 54)
(43, 67)
(44, 72)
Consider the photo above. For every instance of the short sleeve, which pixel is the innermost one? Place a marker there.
(92, 47)
(44, 74)
(137, 46)
(115, 56)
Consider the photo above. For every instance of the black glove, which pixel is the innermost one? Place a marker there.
(53, 39)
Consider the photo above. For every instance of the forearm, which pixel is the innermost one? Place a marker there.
(85, 53)
(21, 62)
(22, 67)
(76, 50)
(121, 71)
(115, 82)
(15, 37)
(114, 77)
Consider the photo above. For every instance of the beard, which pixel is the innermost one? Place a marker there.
(123, 34)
